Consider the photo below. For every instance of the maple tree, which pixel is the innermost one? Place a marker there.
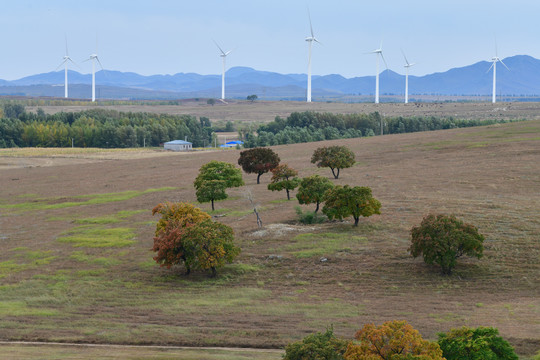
(214, 178)
(393, 340)
(482, 343)
(442, 239)
(344, 201)
(187, 235)
(284, 177)
(258, 161)
(334, 157)
(312, 190)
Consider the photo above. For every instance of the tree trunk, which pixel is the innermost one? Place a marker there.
(317, 208)
(288, 196)
(188, 270)
(212, 204)
(356, 218)
(214, 272)
(258, 178)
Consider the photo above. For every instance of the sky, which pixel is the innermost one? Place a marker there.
(169, 37)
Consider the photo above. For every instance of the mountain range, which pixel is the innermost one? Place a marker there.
(523, 79)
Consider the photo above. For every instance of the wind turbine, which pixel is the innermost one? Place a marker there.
(65, 63)
(494, 61)
(310, 40)
(407, 66)
(379, 54)
(223, 56)
(94, 58)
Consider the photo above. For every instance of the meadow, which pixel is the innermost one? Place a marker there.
(76, 262)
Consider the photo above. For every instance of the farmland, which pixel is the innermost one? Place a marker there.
(77, 228)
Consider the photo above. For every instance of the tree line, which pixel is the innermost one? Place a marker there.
(98, 128)
(310, 126)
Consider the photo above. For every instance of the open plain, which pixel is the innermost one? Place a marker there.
(76, 232)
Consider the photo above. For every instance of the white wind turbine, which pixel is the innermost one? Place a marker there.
(94, 58)
(379, 54)
(407, 66)
(494, 61)
(310, 40)
(223, 56)
(65, 61)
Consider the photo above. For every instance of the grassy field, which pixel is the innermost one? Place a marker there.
(58, 351)
(76, 264)
(240, 112)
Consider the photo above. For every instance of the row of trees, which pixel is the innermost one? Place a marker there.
(99, 128)
(309, 126)
(398, 340)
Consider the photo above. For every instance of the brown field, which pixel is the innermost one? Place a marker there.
(266, 111)
(76, 264)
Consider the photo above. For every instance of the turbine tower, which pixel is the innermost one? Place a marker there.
(65, 61)
(407, 66)
(223, 56)
(494, 61)
(378, 52)
(94, 58)
(310, 40)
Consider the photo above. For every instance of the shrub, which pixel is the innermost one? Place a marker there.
(309, 217)
(393, 340)
(258, 161)
(312, 190)
(344, 201)
(442, 239)
(187, 235)
(334, 157)
(284, 177)
(482, 343)
(318, 346)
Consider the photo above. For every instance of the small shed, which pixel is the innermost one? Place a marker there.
(178, 145)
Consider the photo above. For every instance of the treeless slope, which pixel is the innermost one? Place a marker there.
(278, 290)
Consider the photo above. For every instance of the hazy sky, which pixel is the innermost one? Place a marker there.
(168, 37)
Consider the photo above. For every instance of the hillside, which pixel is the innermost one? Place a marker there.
(522, 80)
(61, 282)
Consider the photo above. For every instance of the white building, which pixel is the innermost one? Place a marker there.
(178, 145)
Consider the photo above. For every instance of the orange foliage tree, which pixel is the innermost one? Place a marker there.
(187, 235)
(393, 340)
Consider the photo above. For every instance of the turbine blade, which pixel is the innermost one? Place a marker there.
(67, 54)
(492, 64)
(99, 62)
(74, 63)
(220, 49)
(59, 66)
(504, 65)
(385, 64)
(406, 61)
(310, 25)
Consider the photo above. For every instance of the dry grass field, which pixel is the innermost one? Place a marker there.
(76, 235)
(266, 111)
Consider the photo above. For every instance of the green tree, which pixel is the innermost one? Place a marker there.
(258, 161)
(442, 239)
(318, 346)
(211, 101)
(482, 343)
(252, 98)
(214, 178)
(393, 340)
(312, 190)
(187, 235)
(334, 157)
(284, 177)
(344, 201)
